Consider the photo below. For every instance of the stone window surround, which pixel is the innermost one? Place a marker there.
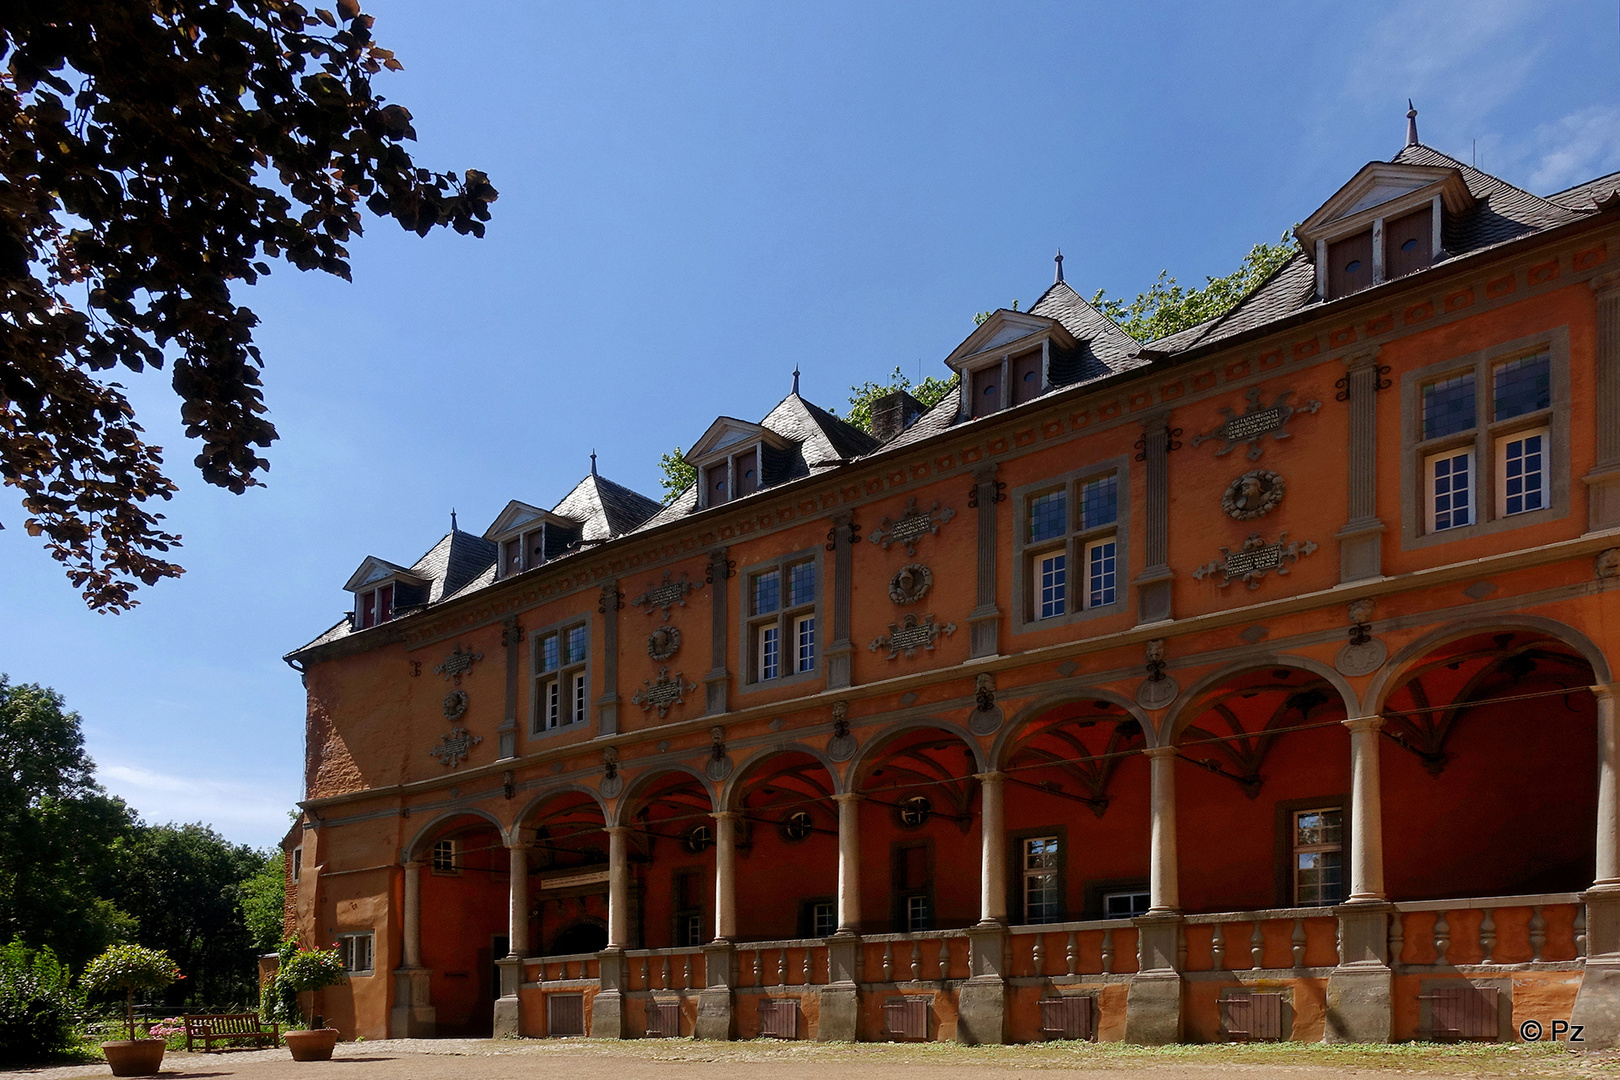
(536, 677)
(1024, 574)
(1414, 485)
(746, 681)
(343, 937)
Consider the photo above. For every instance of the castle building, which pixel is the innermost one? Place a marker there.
(1250, 683)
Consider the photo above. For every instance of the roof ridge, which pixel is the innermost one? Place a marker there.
(1466, 169)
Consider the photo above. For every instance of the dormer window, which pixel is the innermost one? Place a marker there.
(1007, 361)
(374, 606)
(528, 537)
(523, 552)
(730, 460)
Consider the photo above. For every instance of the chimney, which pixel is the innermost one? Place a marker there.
(893, 413)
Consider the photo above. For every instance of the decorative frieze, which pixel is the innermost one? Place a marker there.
(663, 692)
(1255, 423)
(910, 635)
(454, 746)
(1254, 560)
(912, 525)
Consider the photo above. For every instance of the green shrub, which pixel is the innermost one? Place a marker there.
(37, 1005)
(299, 970)
(130, 968)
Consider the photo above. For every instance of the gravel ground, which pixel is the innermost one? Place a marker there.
(584, 1059)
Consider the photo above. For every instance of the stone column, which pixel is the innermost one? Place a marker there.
(412, 1015)
(1361, 538)
(1366, 811)
(618, 887)
(1597, 1003)
(1153, 583)
(984, 621)
(992, 851)
(1164, 872)
(725, 875)
(849, 863)
(508, 1013)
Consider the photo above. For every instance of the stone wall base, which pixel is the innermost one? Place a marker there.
(982, 1011)
(1153, 1009)
(608, 1020)
(715, 1018)
(840, 1014)
(1358, 1004)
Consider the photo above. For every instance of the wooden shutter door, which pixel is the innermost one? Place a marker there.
(1349, 265)
(986, 391)
(1407, 243)
(747, 473)
(1066, 1017)
(1265, 1016)
(1236, 1013)
(1026, 377)
(565, 1014)
(779, 1019)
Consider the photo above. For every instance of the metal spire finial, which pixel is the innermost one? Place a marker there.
(1411, 124)
(795, 379)
(593, 462)
(1058, 258)
(453, 519)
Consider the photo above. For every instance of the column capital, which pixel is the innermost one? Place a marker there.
(1364, 723)
(519, 844)
(617, 830)
(726, 815)
(993, 776)
(847, 796)
(1156, 752)
(413, 864)
(1604, 691)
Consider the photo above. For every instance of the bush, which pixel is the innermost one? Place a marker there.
(130, 968)
(299, 970)
(37, 1005)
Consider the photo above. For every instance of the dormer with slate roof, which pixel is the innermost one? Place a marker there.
(384, 591)
(528, 536)
(729, 458)
(377, 586)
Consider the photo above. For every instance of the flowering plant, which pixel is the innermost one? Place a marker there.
(130, 968)
(300, 971)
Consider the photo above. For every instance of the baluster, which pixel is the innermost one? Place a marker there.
(944, 959)
(540, 973)
(1538, 934)
(809, 969)
(916, 961)
(759, 967)
(646, 974)
(1108, 951)
(1298, 941)
(888, 961)
(1338, 942)
(1217, 948)
(1442, 938)
(666, 980)
(1037, 957)
(1487, 937)
(1257, 947)
(1072, 953)
(781, 967)
(686, 975)
(1397, 938)
(1580, 930)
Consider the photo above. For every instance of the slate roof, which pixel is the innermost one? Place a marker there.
(1581, 196)
(605, 509)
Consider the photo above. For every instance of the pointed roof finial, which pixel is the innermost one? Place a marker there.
(1057, 278)
(593, 462)
(1411, 124)
(795, 380)
(453, 519)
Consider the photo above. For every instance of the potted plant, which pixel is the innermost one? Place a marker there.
(303, 971)
(130, 968)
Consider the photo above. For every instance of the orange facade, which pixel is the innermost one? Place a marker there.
(1276, 750)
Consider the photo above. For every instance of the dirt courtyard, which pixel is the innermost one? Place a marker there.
(586, 1059)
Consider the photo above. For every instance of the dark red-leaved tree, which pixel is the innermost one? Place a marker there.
(153, 153)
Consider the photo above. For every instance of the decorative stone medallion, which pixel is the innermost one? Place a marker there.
(454, 747)
(912, 525)
(666, 594)
(910, 583)
(1252, 495)
(455, 705)
(1607, 563)
(664, 642)
(663, 692)
(1254, 560)
(1256, 422)
(1157, 693)
(910, 635)
(1361, 658)
(458, 663)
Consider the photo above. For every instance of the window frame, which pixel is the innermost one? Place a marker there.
(1286, 888)
(374, 592)
(1074, 544)
(434, 868)
(345, 943)
(539, 679)
(1483, 440)
(1018, 878)
(786, 618)
(1296, 849)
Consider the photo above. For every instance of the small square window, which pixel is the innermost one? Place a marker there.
(1450, 480)
(356, 952)
(549, 653)
(804, 643)
(916, 914)
(1100, 572)
(823, 920)
(801, 583)
(1522, 386)
(444, 857)
(576, 644)
(297, 863)
(1124, 905)
(770, 652)
(1048, 516)
(1099, 502)
(1448, 406)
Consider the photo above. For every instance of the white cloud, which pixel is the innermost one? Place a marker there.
(1583, 145)
(243, 811)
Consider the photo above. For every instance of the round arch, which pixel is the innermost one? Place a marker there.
(1185, 709)
(411, 849)
(637, 788)
(561, 789)
(874, 747)
(1389, 678)
(1010, 732)
(740, 776)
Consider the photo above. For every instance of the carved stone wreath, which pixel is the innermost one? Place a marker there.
(454, 747)
(1255, 423)
(664, 642)
(455, 705)
(911, 634)
(1252, 495)
(910, 583)
(913, 525)
(663, 692)
(1254, 560)
(666, 594)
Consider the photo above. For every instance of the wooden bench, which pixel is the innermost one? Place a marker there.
(229, 1028)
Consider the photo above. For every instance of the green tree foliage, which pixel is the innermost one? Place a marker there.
(980, 317)
(1168, 307)
(184, 885)
(929, 392)
(300, 971)
(677, 475)
(263, 900)
(63, 836)
(38, 1004)
(153, 154)
(127, 969)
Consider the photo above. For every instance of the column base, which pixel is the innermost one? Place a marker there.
(1359, 1004)
(413, 1015)
(1153, 1008)
(982, 1011)
(608, 1016)
(1597, 1002)
(840, 1013)
(715, 1017)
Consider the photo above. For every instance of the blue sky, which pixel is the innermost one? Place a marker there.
(695, 198)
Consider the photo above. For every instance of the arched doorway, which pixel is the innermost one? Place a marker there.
(788, 848)
(671, 851)
(568, 872)
(465, 887)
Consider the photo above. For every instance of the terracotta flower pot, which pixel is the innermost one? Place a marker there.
(313, 1045)
(138, 1057)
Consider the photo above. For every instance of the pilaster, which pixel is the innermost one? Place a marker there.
(1603, 482)
(608, 1019)
(718, 680)
(841, 997)
(508, 1013)
(982, 1001)
(1153, 584)
(839, 654)
(716, 1016)
(1361, 538)
(1361, 987)
(607, 706)
(1153, 999)
(984, 621)
(512, 639)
